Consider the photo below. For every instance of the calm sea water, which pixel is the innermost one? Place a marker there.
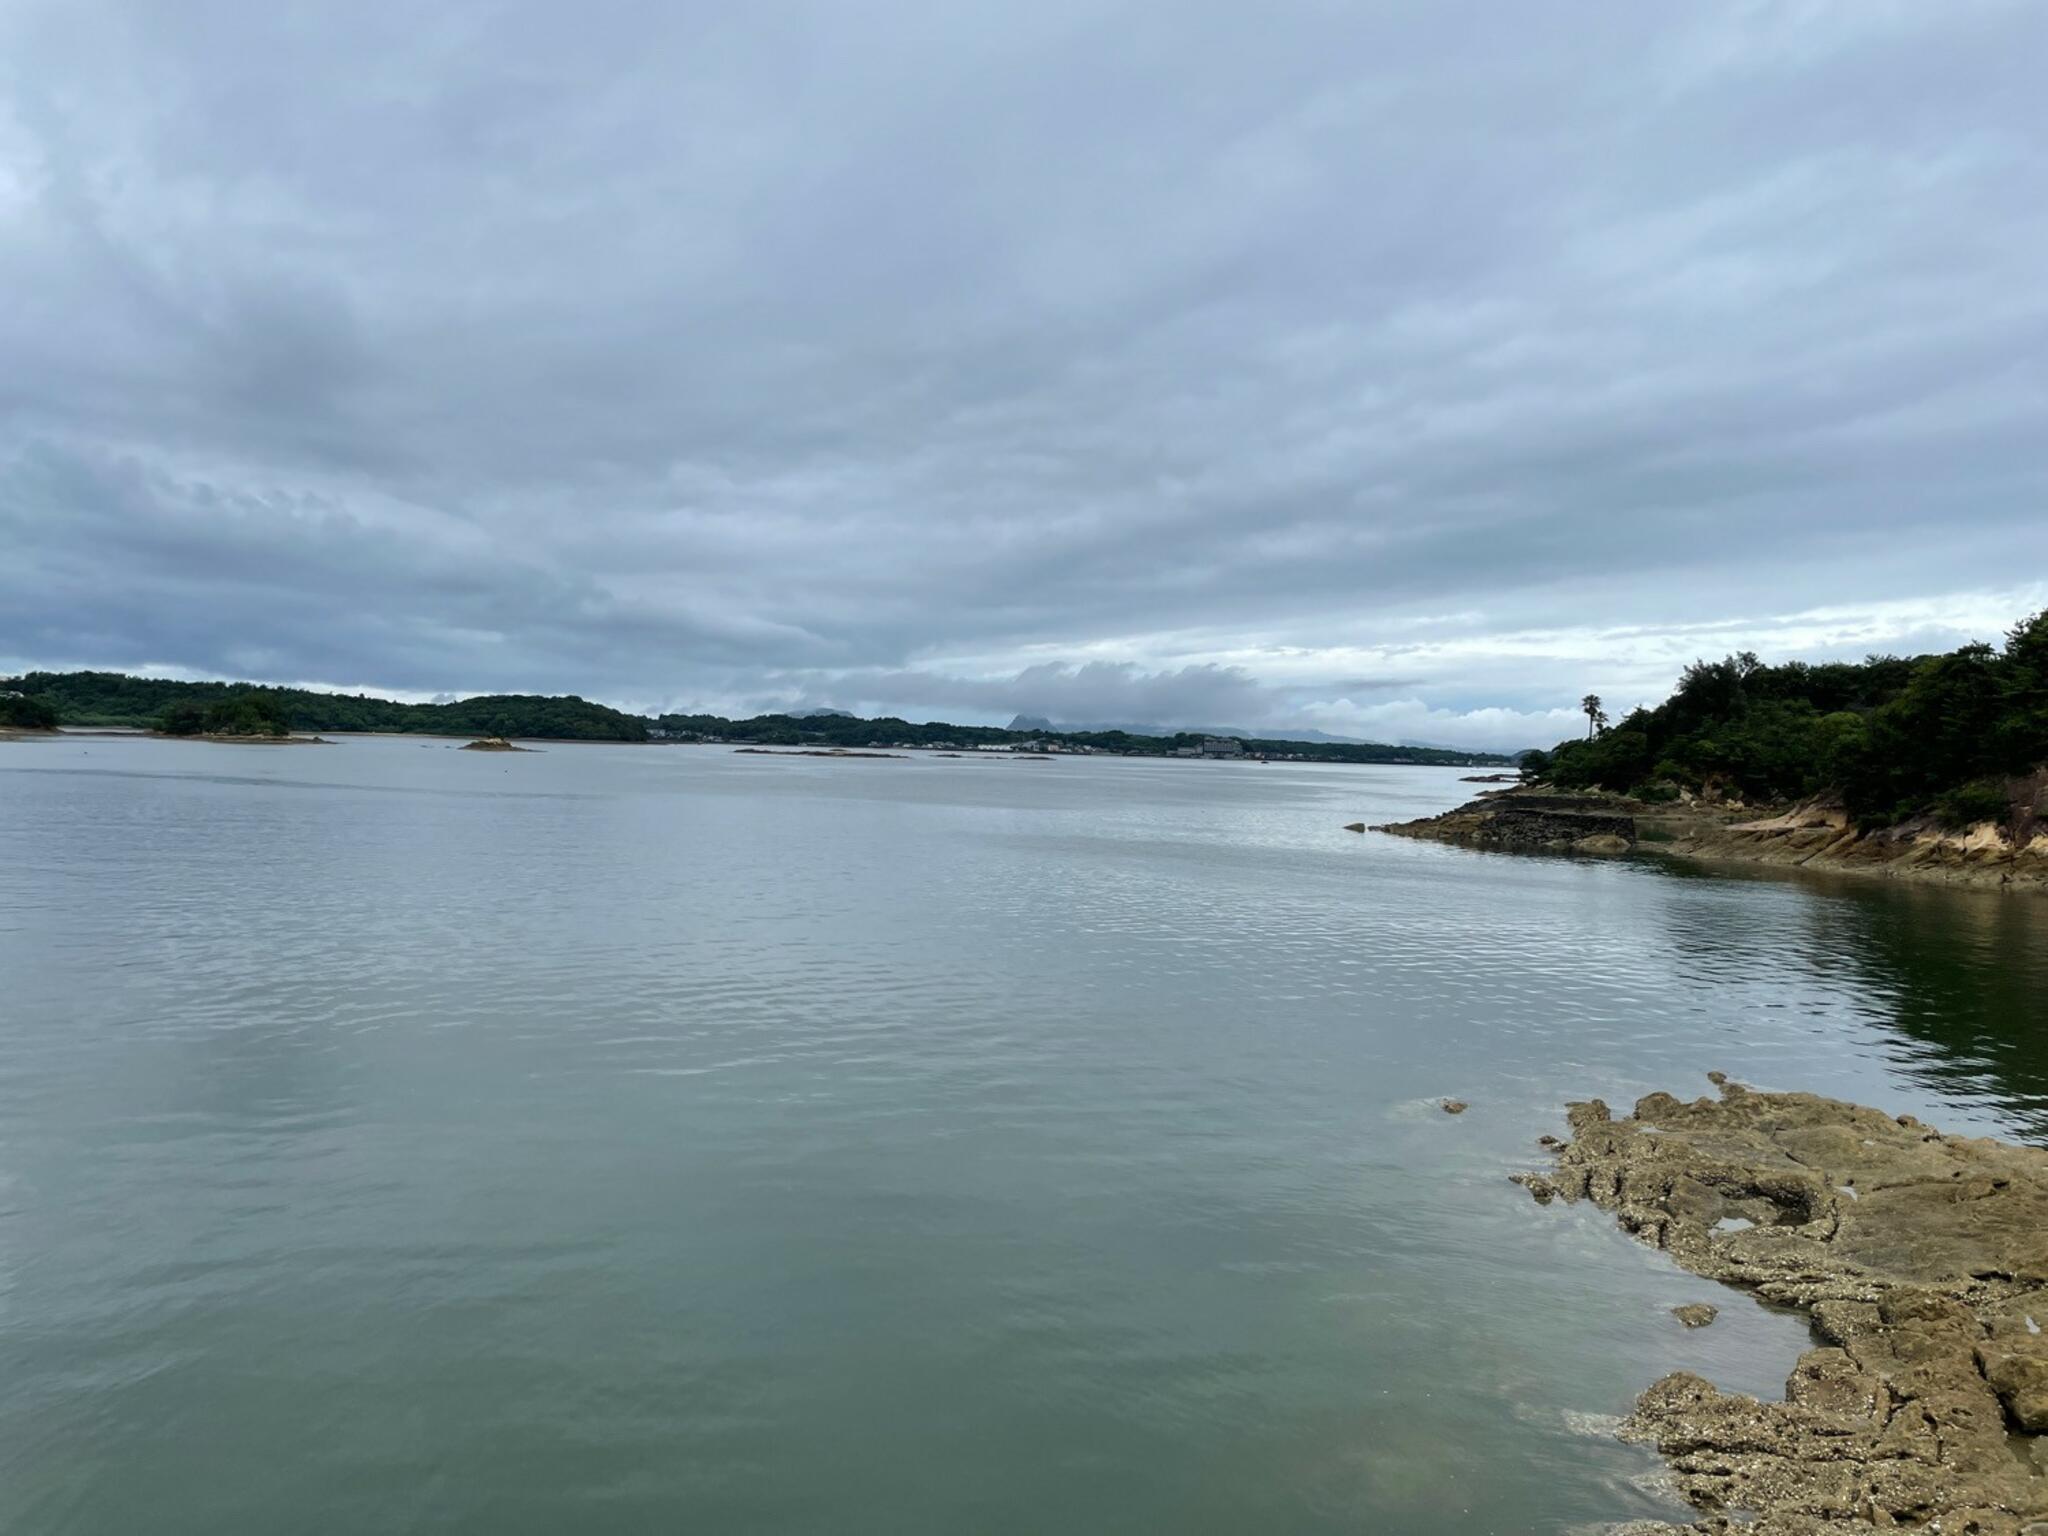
(642, 1139)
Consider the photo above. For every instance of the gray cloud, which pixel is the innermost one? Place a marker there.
(1379, 367)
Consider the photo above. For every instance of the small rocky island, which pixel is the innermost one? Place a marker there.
(491, 744)
(1922, 1260)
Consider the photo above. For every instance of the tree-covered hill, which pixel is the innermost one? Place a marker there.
(1962, 735)
(113, 698)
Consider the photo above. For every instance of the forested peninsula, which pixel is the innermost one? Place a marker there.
(1935, 766)
(114, 699)
(1888, 737)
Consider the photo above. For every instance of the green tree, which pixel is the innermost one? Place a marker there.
(183, 717)
(1892, 737)
(27, 712)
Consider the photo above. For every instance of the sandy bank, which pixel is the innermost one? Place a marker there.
(1922, 1260)
(243, 741)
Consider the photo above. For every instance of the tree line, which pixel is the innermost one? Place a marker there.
(116, 699)
(1962, 735)
(852, 731)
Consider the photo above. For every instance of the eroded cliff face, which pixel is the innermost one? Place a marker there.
(1923, 1262)
(1819, 837)
(1816, 837)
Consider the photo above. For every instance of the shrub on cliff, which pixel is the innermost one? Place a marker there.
(1985, 800)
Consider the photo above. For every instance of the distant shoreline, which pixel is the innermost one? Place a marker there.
(90, 699)
(137, 733)
(331, 737)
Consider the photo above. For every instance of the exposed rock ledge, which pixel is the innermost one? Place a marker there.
(1812, 836)
(1923, 1260)
(1531, 821)
(1818, 836)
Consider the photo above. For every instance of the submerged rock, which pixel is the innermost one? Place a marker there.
(1929, 1289)
(1696, 1314)
(1455, 1106)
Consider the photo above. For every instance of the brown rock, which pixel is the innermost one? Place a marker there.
(2020, 1378)
(1696, 1314)
(1602, 843)
(1543, 819)
(1531, 821)
(1455, 1106)
(1923, 1259)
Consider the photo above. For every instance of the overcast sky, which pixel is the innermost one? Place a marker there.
(1405, 370)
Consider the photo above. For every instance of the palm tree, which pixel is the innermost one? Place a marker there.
(1596, 717)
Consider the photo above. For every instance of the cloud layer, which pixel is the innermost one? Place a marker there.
(1398, 370)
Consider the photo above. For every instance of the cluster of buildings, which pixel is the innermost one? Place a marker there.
(1071, 749)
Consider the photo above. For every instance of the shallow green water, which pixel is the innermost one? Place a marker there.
(617, 1139)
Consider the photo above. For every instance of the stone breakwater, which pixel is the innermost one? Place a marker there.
(1922, 1260)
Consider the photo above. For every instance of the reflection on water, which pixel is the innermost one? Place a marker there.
(616, 1139)
(1967, 981)
(1958, 978)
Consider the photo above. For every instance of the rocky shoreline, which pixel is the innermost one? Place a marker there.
(1814, 837)
(1922, 1260)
